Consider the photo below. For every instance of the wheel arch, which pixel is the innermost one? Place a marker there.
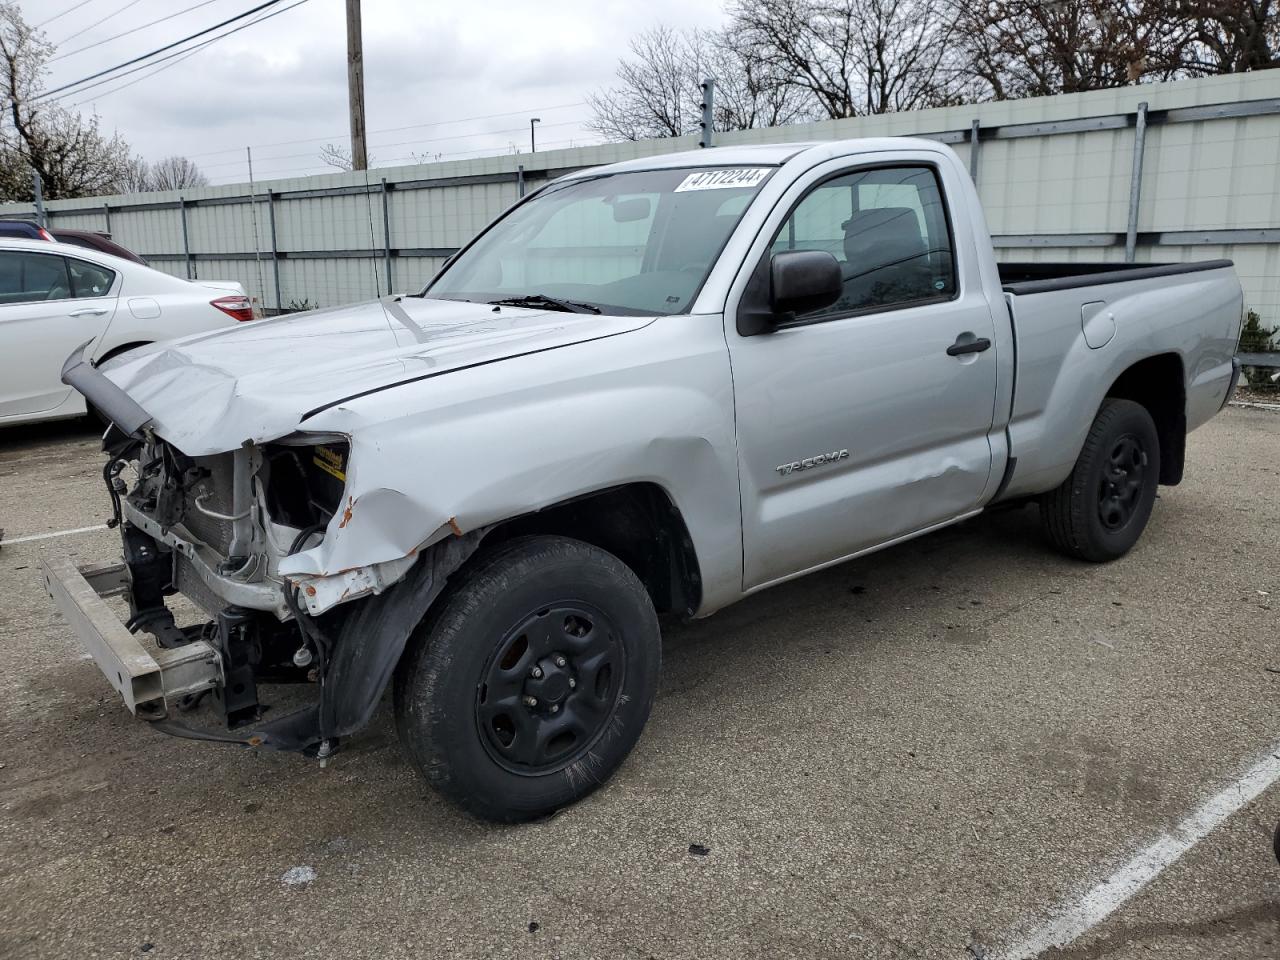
(637, 522)
(1158, 383)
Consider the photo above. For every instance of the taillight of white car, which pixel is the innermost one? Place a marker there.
(237, 307)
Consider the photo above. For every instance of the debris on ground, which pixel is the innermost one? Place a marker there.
(298, 876)
(698, 850)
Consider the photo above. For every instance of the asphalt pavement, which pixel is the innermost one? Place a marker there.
(929, 752)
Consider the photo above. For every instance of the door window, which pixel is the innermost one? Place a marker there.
(89, 279)
(887, 227)
(27, 277)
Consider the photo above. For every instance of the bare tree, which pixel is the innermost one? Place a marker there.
(333, 155)
(1026, 48)
(653, 96)
(175, 173)
(134, 178)
(749, 92)
(659, 93)
(71, 155)
(854, 57)
(1228, 36)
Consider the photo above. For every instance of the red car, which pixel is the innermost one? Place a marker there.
(91, 239)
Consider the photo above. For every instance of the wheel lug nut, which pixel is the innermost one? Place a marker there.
(555, 708)
(536, 673)
(572, 683)
(530, 701)
(561, 661)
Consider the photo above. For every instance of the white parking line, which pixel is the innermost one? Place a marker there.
(1080, 915)
(50, 536)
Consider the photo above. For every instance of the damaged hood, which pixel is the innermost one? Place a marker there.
(212, 392)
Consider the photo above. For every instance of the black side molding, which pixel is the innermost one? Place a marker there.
(112, 402)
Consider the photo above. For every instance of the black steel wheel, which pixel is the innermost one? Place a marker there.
(1122, 482)
(550, 688)
(529, 681)
(1101, 509)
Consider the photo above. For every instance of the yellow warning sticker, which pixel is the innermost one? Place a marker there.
(331, 462)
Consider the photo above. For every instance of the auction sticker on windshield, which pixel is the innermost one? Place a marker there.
(723, 179)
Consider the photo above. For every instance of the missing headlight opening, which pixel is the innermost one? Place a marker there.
(303, 485)
(215, 529)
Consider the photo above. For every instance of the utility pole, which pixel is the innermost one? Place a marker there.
(37, 189)
(533, 143)
(355, 86)
(708, 87)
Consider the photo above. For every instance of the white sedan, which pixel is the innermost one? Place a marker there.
(54, 297)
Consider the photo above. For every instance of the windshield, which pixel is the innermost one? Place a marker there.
(624, 243)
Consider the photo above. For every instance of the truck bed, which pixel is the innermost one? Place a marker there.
(1026, 278)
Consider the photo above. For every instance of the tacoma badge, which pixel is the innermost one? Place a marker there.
(787, 469)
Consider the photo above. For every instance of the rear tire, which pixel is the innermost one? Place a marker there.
(529, 682)
(1101, 509)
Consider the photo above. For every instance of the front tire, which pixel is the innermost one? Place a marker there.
(529, 682)
(1100, 510)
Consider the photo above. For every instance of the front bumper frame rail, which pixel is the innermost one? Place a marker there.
(151, 681)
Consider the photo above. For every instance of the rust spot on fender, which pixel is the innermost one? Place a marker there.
(453, 525)
(346, 513)
(311, 591)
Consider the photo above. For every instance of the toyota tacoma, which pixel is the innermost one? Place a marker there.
(653, 387)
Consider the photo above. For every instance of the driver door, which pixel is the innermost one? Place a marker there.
(49, 305)
(866, 420)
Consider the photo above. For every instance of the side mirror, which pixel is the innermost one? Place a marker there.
(803, 280)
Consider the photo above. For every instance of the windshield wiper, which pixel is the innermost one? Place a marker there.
(550, 303)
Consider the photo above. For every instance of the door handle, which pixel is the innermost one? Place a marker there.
(88, 312)
(968, 343)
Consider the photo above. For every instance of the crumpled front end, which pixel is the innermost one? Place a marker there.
(246, 537)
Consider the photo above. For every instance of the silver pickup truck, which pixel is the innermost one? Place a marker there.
(653, 387)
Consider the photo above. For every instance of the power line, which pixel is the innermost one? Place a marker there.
(59, 16)
(114, 13)
(405, 143)
(176, 58)
(412, 126)
(72, 53)
(169, 46)
(319, 168)
(181, 55)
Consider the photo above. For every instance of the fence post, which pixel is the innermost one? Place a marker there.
(275, 255)
(37, 189)
(386, 234)
(1135, 182)
(707, 124)
(973, 151)
(186, 242)
(520, 180)
(106, 215)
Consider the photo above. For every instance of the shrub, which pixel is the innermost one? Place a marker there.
(1255, 338)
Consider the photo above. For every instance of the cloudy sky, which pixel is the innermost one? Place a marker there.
(457, 78)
